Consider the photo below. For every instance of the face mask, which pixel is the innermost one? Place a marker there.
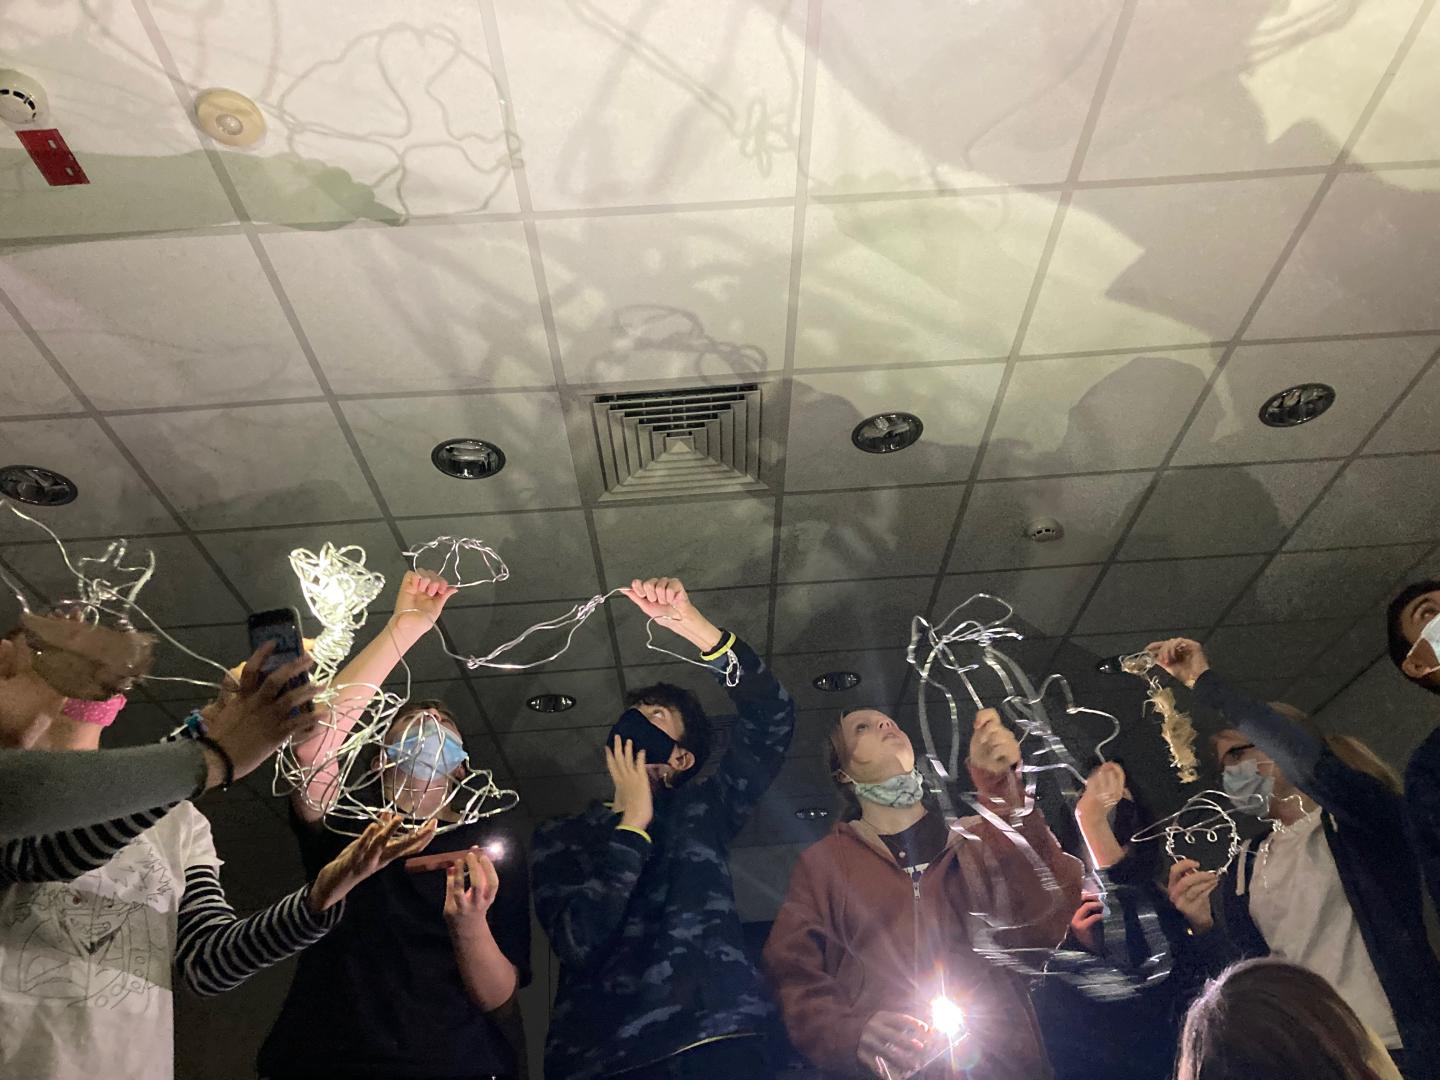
(100, 713)
(907, 789)
(1248, 787)
(427, 752)
(1429, 635)
(635, 727)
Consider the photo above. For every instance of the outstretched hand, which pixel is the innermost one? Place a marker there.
(993, 746)
(465, 903)
(420, 601)
(1181, 657)
(1103, 789)
(373, 850)
(665, 600)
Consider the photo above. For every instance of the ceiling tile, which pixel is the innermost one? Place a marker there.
(881, 671)
(1398, 130)
(434, 308)
(1186, 592)
(1377, 500)
(866, 533)
(1324, 584)
(113, 499)
(1165, 265)
(655, 104)
(773, 821)
(1270, 651)
(263, 465)
(952, 402)
(551, 753)
(917, 280)
(745, 611)
(119, 115)
(1204, 89)
(730, 542)
(31, 385)
(557, 796)
(479, 631)
(181, 656)
(1045, 600)
(1260, 504)
(1365, 265)
(1077, 658)
(1345, 659)
(198, 325)
(1367, 376)
(596, 693)
(1411, 426)
(761, 876)
(547, 553)
(894, 112)
(855, 615)
(429, 138)
(1092, 510)
(1034, 655)
(1094, 413)
(397, 436)
(694, 296)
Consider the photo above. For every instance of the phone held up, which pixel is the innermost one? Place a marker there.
(282, 626)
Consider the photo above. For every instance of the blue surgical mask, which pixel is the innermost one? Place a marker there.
(428, 752)
(1248, 787)
(907, 789)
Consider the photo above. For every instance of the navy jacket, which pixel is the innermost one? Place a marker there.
(1364, 823)
(652, 955)
(1422, 799)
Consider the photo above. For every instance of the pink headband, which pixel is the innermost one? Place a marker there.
(102, 713)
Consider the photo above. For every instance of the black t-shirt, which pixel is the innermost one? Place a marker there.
(919, 845)
(381, 994)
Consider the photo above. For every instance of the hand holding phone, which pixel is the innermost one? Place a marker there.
(282, 626)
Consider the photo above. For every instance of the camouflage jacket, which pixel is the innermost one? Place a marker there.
(649, 941)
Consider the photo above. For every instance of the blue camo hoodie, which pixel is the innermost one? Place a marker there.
(651, 953)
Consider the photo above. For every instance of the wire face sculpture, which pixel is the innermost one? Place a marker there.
(1176, 727)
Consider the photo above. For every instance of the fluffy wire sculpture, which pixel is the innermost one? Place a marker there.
(1176, 727)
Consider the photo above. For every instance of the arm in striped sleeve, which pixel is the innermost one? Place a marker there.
(64, 856)
(217, 950)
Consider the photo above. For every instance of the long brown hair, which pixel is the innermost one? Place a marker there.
(1347, 748)
(1272, 1020)
(836, 758)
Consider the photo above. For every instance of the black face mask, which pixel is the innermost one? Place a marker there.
(633, 726)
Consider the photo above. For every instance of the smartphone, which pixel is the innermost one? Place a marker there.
(282, 626)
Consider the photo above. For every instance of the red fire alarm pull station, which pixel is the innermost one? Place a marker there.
(52, 157)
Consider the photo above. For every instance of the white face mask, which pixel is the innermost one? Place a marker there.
(1429, 635)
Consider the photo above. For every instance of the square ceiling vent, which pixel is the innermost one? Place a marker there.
(700, 441)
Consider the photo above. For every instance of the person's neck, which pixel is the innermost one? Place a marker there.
(1288, 809)
(67, 734)
(888, 820)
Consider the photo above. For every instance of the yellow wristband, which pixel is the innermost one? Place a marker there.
(637, 832)
(725, 645)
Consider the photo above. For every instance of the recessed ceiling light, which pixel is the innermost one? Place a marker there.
(834, 681)
(37, 486)
(551, 703)
(1297, 405)
(887, 432)
(812, 813)
(468, 459)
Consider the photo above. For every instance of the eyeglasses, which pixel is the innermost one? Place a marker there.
(1234, 755)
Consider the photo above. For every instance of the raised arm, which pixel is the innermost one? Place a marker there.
(418, 604)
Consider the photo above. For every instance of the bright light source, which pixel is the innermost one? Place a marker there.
(495, 849)
(946, 1017)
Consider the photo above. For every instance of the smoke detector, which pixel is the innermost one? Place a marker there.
(22, 99)
(229, 117)
(1044, 530)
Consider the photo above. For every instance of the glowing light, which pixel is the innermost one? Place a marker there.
(495, 849)
(947, 1018)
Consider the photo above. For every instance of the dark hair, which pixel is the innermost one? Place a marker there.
(435, 705)
(1268, 1019)
(695, 733)
(1400, 645)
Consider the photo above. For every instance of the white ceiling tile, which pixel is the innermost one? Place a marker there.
(181, 656)
(370, 115)
(917, 280)
(264, 465)
(433, 308)
(397, 436)
(1045, 600)
(745, 611)
(1201, 88)
(161, 321)
(855, 615)
(1165, 265)
(762, 876)
(1034, 655)
(1324, 584)
(1260, 504)
(597, 699)
(881, 671)
(1270, 651)
(730, 545)
(549, 753)
(547, 553)
(479, 631)
(1092, 510)
(1094, 413)
(113, 499)
(894, 112)
(952, 402)
(1377, 501)
(1367, 376)
(1400, 129)
(773, 821)
(1411, 426)
(116, 108)
(1345, 659)
(258, 562)
(696, 296)
(1366, 264)
(31, 385)
(655, 103)
(874, 532)
(1187, 592)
